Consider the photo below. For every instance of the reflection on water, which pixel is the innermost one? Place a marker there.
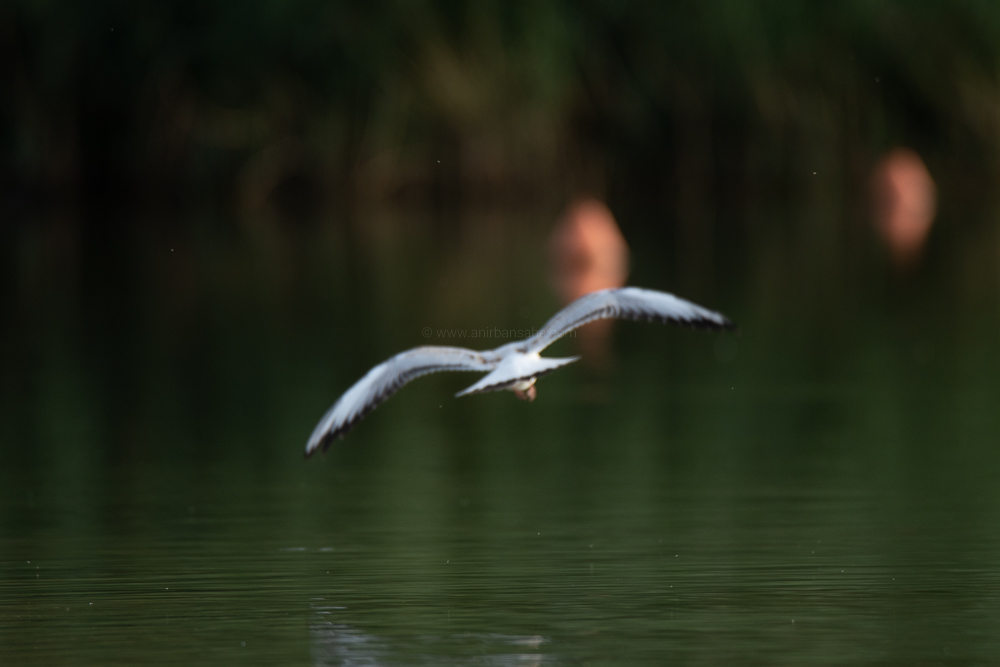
(335, 644)
(339, 644)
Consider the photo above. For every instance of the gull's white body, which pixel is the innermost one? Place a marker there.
(517, 370)
(514, 366)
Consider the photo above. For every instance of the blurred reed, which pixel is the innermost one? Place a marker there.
(304, 106)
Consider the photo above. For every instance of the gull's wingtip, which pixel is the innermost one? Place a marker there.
(728, 325)
(322, 441)
(312, 446)
(318, 440)
(715, 322)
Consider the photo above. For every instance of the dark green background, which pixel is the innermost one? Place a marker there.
(216, 216)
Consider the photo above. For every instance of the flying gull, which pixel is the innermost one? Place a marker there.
(514, 366)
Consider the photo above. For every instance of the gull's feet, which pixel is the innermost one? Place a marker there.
(527, 394)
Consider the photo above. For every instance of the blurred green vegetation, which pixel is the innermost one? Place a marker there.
(309, 102)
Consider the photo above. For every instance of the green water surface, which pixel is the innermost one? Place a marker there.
(809, 491)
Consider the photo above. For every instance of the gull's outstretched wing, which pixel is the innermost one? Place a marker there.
(385, 380)
(632, 303)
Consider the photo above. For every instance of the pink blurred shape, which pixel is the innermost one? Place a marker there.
(588, 253)
(905, 202)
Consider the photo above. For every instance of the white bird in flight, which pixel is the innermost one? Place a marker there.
(514, 366)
